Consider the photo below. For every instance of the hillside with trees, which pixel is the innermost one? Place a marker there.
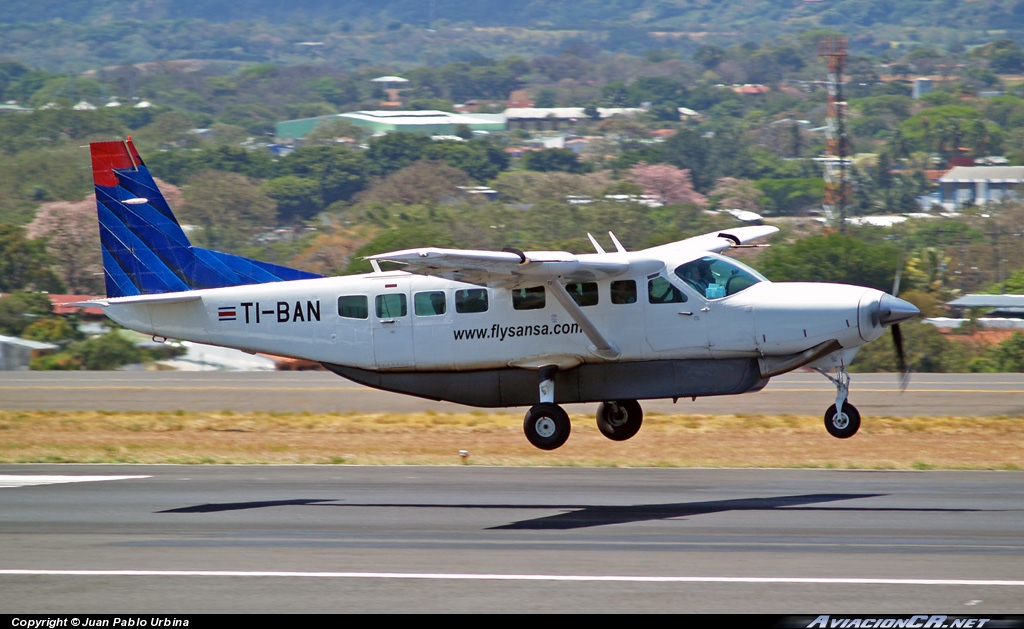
(68, 35)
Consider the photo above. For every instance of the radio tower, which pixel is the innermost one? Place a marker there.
(835, 161)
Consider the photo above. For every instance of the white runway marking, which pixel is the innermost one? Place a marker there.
(511, 577)
(17, 480)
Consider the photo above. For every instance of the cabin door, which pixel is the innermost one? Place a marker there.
(392, 325)
(676, 318)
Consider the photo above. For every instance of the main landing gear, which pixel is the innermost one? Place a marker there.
(547, 426)
(842, 420)
(619, 420)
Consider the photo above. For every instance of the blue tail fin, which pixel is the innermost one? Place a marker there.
(145, 250)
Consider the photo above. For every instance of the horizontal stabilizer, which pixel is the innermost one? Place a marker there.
(166, 298)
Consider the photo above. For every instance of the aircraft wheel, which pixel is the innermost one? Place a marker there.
(619, 420)
(546, 426)
(842, 425)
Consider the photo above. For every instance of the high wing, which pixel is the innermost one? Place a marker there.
(716, 241)
(512, 269)
(506, 269)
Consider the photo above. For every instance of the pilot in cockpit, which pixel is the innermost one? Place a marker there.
(698, 275)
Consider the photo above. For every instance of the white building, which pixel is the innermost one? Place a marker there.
(978, 185)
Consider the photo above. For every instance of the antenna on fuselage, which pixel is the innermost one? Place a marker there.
(594, 242)
(618, 245)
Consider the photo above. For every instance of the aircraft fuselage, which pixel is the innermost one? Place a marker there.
(397, 322)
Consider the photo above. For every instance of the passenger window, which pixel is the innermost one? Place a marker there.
(624, 292)
(585, 293)
(471, 300)
(391, 305)
(528, 298)
(429, 304)
(353, 306)
(661, 291)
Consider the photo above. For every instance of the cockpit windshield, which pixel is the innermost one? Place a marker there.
(716, 276)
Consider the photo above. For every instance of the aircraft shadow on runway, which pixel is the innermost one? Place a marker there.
(584, 516)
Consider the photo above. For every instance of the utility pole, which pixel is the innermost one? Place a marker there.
(835, 160)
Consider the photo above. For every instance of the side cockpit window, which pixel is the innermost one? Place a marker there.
(715, 277)
(661, 291)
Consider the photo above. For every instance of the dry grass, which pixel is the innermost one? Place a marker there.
(497, 439)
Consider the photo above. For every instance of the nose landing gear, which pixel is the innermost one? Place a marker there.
(842, 420)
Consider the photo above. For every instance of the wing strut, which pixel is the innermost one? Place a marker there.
(602, 347)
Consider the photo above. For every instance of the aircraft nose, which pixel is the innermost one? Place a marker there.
(892, 310)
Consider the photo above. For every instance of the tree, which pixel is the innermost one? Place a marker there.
(340, 172)
(51, 330)
(109, 351)
(709, 56)
(926, 350)
(946, 128)
(404, 237)
(480, 159)
(24, 264)
(228, 208)
(395, 151)
(178, 166)
(421, 182)
(835, 258)
(689, 150)
(1009, 355)
(557, 160)
(20, 310)
(328, 131)
(531, 187)
(667, 183)
(72, 239)
(791, 195)
(297, 198)
(736, 194)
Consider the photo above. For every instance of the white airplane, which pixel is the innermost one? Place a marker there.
(495, 328)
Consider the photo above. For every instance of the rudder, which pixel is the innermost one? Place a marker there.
(145, 250)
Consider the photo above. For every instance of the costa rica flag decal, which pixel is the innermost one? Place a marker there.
(227, 313)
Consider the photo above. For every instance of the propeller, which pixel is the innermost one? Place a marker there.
(901, 359)
(894, 311)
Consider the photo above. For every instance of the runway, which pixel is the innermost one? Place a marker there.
(335, 539)
(466, 539)
(968, 395)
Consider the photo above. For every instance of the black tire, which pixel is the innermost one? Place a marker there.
(842, 425)
(619, 420)
(546, 426)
